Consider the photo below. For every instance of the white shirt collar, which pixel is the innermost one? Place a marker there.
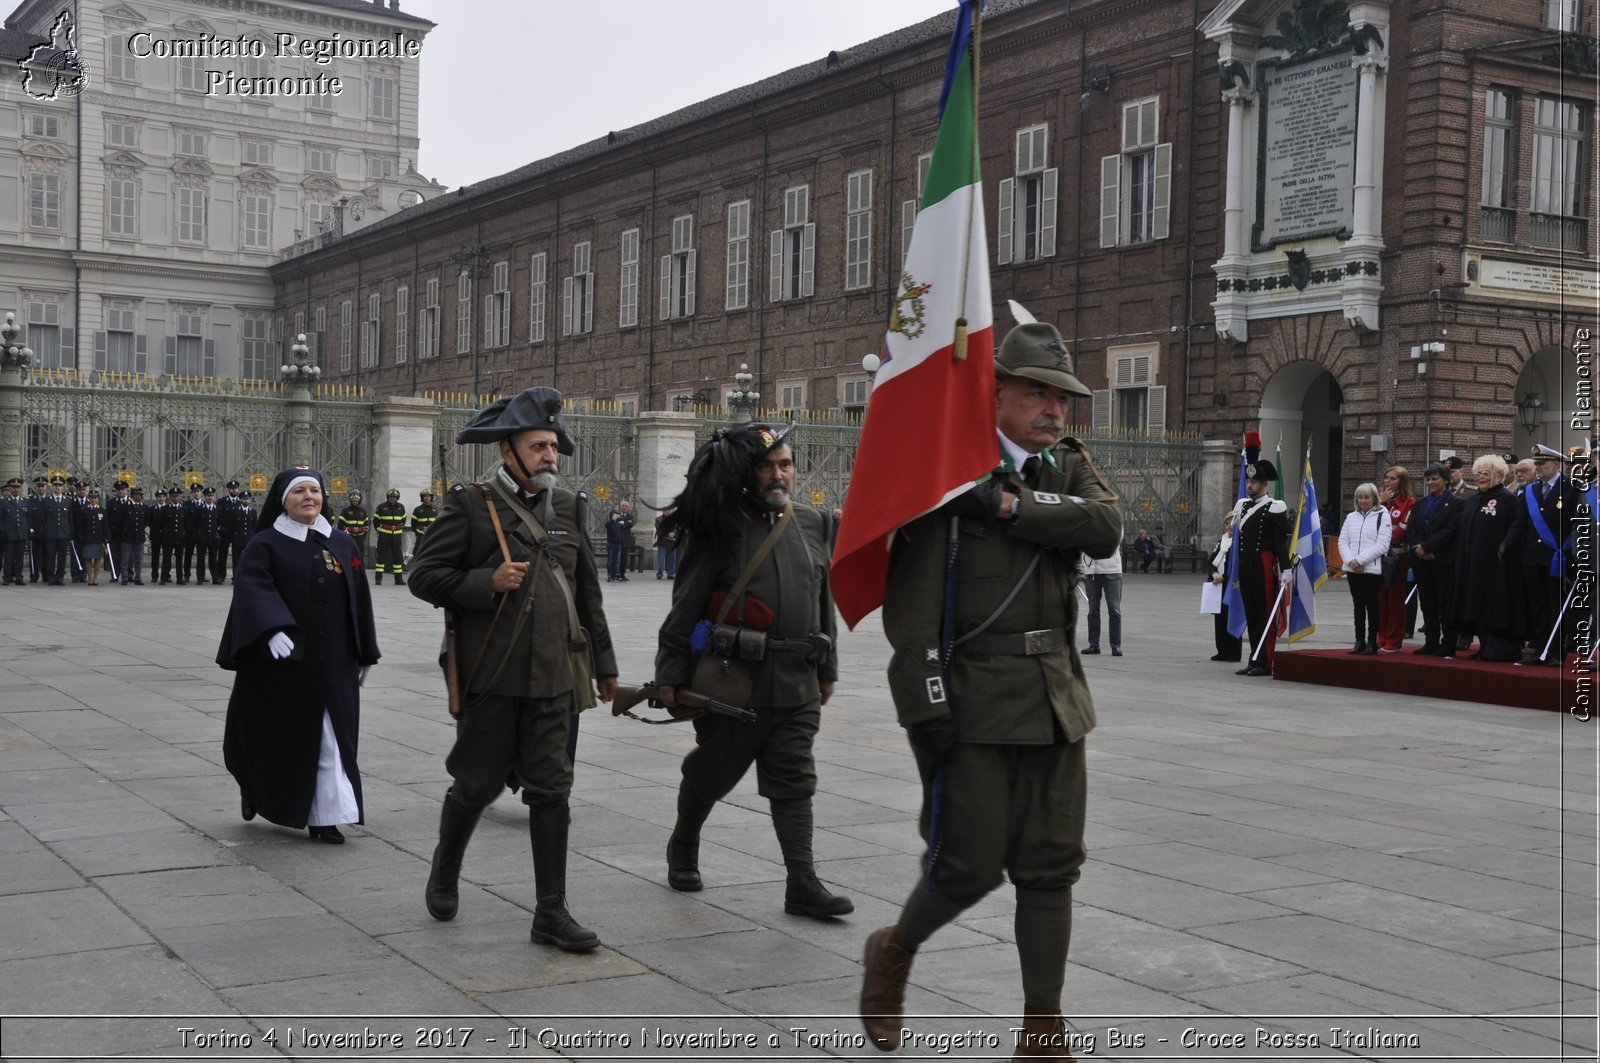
(287, 525)
(1018, 455)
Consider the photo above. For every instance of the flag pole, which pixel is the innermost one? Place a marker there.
(958, 346)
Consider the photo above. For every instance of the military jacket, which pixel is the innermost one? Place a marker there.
(207, 526)
(125, 520)
(1020, 677)
(191, 521)
(454, 568)
(422, 519)
(53, 519)
(390, 517)
(792, 581)
(241, 524)
(1557, 504)
(1263, 528)
(13, 518)
(169, 524)
(352, 521)
(89, 524)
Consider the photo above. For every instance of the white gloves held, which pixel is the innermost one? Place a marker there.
(280, 645)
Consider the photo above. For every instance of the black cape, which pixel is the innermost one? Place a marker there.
(317, 593)
(1482, 599)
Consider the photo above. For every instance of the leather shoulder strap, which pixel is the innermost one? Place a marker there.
(785, 518)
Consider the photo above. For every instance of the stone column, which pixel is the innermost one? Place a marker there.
(666, 445)
(402, 453)
(1219, 485)
(1362, 290)
(298, 376)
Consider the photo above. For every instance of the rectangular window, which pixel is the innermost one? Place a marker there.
(319, 159)
(121, 134)
(381, 96)
(536, 296)
(117, 446)
(192, 142)
(1136, 186)
(792, 273)
(853, 394)
(44, 125)
(792, 396)
(120, 351)
(120, 61)
(678, 271)
(1133, 402)
(738, 293)
(1561, 15)
(258, 222)
(189, 353)
(463, 312)
(858, 230)
(255, 347)
(370, 331)
(1027, 225)
(192, 215)
(379, 168)
(344, 335)
(52, 347)
(185, 447)
(1497, 148)
(254, 152)
(1557, 193)
(191, 73)
(44, 201)
(318, 216)
(402, 323)
(428, 339)
(577, 293)
(628, 279)
(497, 308)
(910, 207)
(122, 207)
(319, 335)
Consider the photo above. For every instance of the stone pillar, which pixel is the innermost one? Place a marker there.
(1362, 290)
(1219, 486)
(666, 445)
(301, 448)
(14, 357)
(402, 453)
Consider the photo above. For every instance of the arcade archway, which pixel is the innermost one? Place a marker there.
(1302, 402)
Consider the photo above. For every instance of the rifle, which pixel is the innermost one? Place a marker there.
(450, 659)
(689, 704)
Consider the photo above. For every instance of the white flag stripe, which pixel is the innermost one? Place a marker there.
(930, 263)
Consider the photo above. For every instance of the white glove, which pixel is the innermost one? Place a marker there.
(361, 680)
(281, 646)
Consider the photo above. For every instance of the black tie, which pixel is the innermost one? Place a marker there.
(1030, 471)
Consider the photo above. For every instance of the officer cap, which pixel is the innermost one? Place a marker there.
(39, 480)
(197, 486)
(232, 484)
(15, 481)
(120, 485)
(1036, 351)
(533, 408)
(72, 481)
(94, 492)
(393, 493)
(1262, 470)
(209, 491)
(161, 492)
(244, 495)
(61, 480)
(138, 491)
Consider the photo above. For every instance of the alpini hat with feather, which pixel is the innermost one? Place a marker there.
(1035, 350)
(504, 418)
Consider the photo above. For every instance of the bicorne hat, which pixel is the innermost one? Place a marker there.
(533, 408)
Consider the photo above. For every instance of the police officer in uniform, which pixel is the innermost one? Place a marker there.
(187, 546)
(241, 525)
(168, 526)
(13, 532)
(735, 505)
(227, 505)
(41, 488)
(1262, 524)
(390, 519)
(997, 708)
(422, 519)
(211, 544)
(75, 495)
(56, 526)
(352, 520)
(521, 696)
(125, 530)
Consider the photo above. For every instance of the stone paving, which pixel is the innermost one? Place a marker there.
(1269, 863)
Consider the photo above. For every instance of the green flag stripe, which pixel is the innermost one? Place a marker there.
(954, 164)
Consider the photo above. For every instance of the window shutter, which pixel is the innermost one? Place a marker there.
(1047, 214)
(566, 306)
(1110, 199)
(1162, 214)
(808, 259)
(69, 355)
(1100, 418)
(688, 284)
(491, 320)
(908, 223)
(1008, 192)
(666, 287)
(171, 366)
(588, 303)
(209, 368)
(100, 350)
(775, 285)
(141, 353)
(1156, 409)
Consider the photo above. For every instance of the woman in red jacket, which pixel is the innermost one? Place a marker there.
(1396, 497)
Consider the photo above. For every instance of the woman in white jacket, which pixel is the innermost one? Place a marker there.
(1363, 540)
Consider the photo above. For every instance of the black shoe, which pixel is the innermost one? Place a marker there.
(683, 864)
(1361, 647)
(1116, 652)
(1254, 670)
(805, 895)
(399, 580)
(377, 581)
(1425, 651)
(1089, 650)
(246, 809)
(138, 583)
(330, 835)
(554, 925)
(1224, 657)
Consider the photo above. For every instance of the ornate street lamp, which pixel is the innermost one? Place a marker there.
(742, 400)
(13, 355)
(1529, 411)
(301, 372)
(298, 376)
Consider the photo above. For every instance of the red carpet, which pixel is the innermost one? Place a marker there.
(1527, 687)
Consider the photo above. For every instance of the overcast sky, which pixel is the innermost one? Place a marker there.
(505, 82)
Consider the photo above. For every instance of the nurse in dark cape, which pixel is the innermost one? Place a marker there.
(300, 637)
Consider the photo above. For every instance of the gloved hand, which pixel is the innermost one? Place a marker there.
(980, 503)
(933, 739)
(280, 645)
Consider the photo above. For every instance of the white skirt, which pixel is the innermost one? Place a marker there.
(334, 801)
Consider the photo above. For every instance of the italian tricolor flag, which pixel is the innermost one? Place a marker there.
(929, 430)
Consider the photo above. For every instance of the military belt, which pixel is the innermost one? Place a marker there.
(1017, 644)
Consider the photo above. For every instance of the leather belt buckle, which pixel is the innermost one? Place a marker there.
(1036, 642)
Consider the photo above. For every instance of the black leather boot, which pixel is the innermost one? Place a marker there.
(456, 824)
(552, 923)
(683, 848)
(803, 894)
(399, 580)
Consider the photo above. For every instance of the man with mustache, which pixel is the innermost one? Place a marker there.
(994, 703)
(752, 589)
(522, 620)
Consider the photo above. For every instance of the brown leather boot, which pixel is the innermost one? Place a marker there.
(883, 987)
(1043, 1035)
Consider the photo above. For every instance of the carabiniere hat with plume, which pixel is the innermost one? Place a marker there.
(1255, 466)
(504, 418)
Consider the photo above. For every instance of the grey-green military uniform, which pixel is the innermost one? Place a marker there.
(1014, 781)
(793, 582)
(517, 716)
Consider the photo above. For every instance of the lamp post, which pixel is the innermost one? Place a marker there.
(871, 363)
(1529, 412)
(14, 357)
(742, 399)
(297, 377)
